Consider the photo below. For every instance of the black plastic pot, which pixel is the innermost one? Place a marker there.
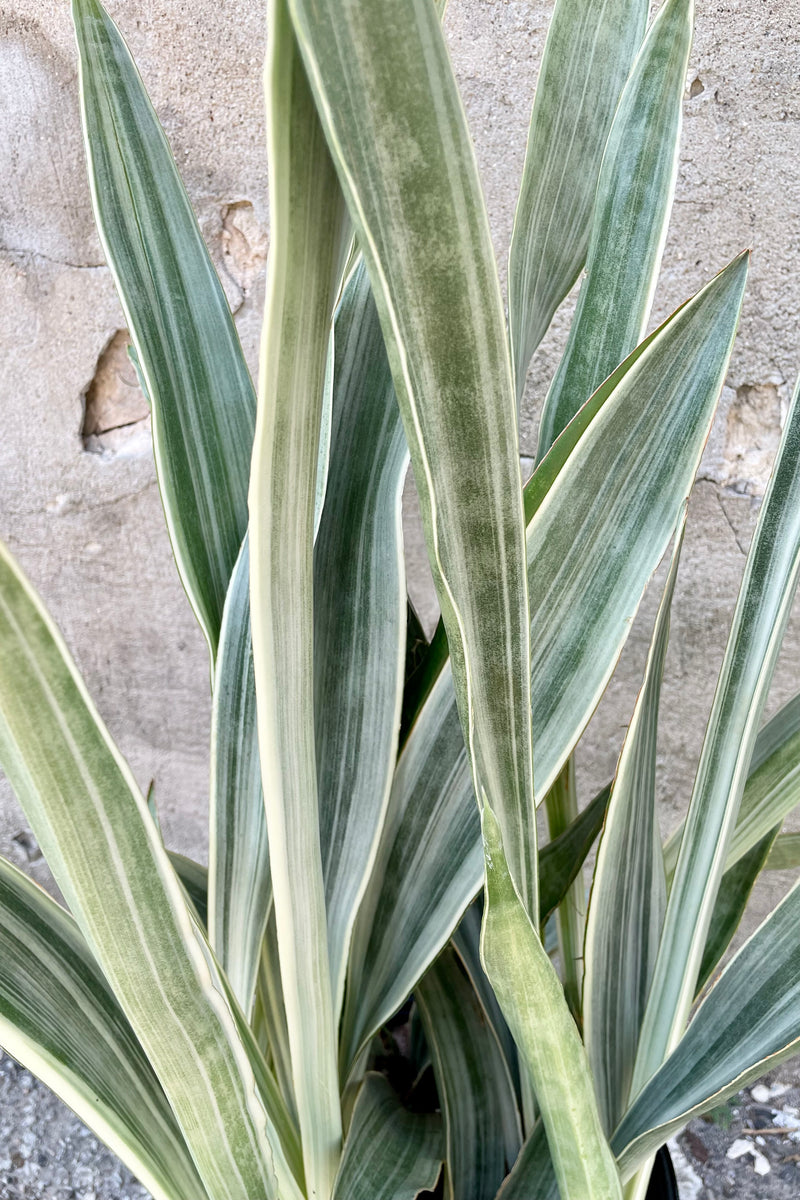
(663, 1184)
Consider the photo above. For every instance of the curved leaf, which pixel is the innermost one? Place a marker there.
(748, 1022)
(390, 1154)
(59, 1018)
(108, 859)
(533, 1003)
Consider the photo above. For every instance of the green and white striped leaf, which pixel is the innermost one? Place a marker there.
(629, 890)
(533, 1003)
(748, 1023)
(761, 613)
(309, 240)
(240, 892)
(784, 853)
(588, 55)
(772, 790)
(390, 1154)
(603, 520)
(59, 1018)
(632, 208)
(359, 616)
(655, 411)
(108, 859)
(650, 419)
(734, 892)
(187, 348)
(476, 1093)
(388, 100)
(428, 868)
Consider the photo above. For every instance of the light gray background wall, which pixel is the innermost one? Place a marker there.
(85, 520)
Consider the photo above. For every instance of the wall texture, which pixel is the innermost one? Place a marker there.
(78, 500)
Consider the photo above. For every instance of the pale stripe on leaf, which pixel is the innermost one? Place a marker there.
(309, 238)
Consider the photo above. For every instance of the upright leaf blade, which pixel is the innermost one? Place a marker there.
(240, 890)
(632, 208)
(60, 1019)
(359, 616)
(761, 613)
(476, 1094)
(309, 238)
(387, 97)
(629, 892)
(201, 396)
(108, 859)
(588, 55)
(533, 1003)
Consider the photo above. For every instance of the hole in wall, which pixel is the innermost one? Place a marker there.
(116, 416)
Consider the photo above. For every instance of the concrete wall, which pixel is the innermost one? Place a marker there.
(78, 501)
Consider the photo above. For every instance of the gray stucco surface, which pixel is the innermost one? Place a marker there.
(82, 513)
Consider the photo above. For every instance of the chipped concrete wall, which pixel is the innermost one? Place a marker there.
(78, 501)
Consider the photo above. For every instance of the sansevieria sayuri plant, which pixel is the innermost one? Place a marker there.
(385, 984)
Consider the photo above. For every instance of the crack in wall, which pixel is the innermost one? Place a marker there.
(729, 522)
(27, 252)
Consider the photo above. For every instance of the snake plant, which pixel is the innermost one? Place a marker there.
(387, 981)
